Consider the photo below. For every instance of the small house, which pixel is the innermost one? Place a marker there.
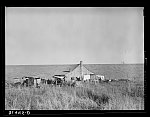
(80, 73)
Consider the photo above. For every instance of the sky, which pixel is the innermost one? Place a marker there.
(40, 36)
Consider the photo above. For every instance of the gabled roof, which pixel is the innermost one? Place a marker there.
(60, 70)
(77, 70)
(86, 70)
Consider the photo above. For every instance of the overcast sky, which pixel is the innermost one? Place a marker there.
(68, 35)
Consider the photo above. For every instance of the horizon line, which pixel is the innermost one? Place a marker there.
(77, 63)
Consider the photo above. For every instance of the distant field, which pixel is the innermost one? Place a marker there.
(120, 71)
(110, 71)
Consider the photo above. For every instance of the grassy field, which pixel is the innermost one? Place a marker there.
(104, 96)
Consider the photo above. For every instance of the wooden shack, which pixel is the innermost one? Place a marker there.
(28, 81)
(79, 73)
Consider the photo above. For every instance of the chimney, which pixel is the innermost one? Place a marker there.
(80, 63)
(81, 74)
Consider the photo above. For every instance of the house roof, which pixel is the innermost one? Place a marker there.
(76, 71)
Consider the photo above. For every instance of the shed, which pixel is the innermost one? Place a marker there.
(16, 80)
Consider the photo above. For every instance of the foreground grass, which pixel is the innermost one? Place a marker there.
(104, 96)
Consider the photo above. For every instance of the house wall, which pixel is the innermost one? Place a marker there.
(34, 82)
(86, 77)
(92, 77)
(38, 81)
(101, 77)
(76, 73)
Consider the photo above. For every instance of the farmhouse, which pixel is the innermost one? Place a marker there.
(79, 73)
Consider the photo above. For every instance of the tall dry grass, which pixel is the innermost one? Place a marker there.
(103, 96)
